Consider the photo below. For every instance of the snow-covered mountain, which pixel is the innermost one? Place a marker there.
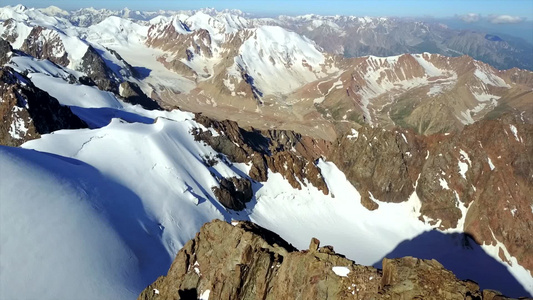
(107, 186)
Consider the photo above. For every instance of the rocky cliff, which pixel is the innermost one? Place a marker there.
(26, 111)
(244, 261)
(280, 151)
(44, 43)
(478, 181)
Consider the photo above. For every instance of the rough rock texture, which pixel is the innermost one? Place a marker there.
(485, 170)
(132, 93)
(10, 32)
(478, 181)
(401, 276)
(5, 51)
(283, 152)
(44, 43)
(245, 261)
(381, 164)
(26, 112)
(234, 192)
(96, 69)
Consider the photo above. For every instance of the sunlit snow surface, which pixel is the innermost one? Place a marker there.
(67, 230)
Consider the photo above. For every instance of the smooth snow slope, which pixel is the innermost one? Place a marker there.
(279, 60)
(161, 163)
(67, 231)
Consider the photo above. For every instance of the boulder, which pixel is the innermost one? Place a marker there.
(234, 192)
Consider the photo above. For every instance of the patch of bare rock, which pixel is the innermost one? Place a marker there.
(244, 261)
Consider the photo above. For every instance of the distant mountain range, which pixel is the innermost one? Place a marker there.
(359, 36)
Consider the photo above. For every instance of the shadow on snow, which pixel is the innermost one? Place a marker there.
(116, 204)
(460, 254)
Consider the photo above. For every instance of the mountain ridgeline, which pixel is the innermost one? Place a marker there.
(245, 261)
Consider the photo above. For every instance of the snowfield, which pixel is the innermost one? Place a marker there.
(275, 53)
(68, 230)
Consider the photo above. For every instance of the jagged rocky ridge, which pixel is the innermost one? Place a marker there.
(475, 181)
(245, 261)
(463, 181)
(281, 151)
(26, 111)
(354, 36)
(391, 91)
(449, 173)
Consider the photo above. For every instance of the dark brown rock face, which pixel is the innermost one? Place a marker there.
(485, 171)
(44, 43)
(381, 163)
(234, 192)
(96, 69)
(5, 51)
(488, 169)
(132, 93)
(10, 32)
(478, 181)
(283, 152)
(245, 261)
(400, 275)
(26, 112)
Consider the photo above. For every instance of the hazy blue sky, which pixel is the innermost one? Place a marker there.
(515, 8)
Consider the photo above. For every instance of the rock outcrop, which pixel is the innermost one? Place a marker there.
(244, 261)
(10, 30)
(98, 72)
(279, 151)
(381, 164)
(5, 51)
(479, 181)
(26, 111)
(43, 43)
(234, 192)
(132, 93)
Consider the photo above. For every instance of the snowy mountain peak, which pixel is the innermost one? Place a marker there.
(20, 8)
(117, 31)
(9, 12)
(278, 60)
(218, 25)
(54, 11)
